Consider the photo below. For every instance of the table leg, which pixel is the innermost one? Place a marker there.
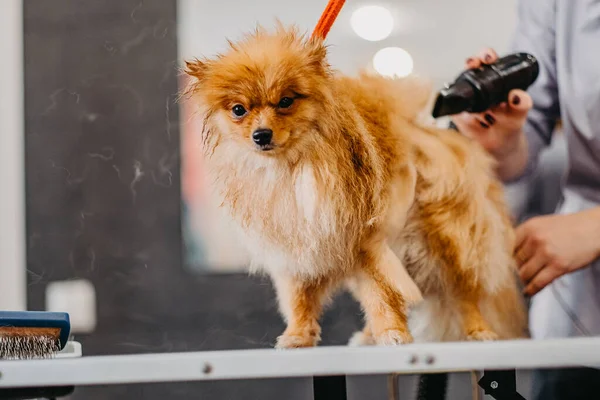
(330, 387)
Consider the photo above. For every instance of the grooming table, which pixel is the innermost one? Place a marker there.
(329, 367)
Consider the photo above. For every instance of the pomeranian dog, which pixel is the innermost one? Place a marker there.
(335, 182)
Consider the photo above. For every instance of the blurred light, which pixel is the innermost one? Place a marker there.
(393, 62)
(372, 23)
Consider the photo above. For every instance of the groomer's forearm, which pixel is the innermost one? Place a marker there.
(513, 165)
(594, 214)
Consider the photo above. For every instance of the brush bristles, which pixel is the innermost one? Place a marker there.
(28, 347)
(23, 343)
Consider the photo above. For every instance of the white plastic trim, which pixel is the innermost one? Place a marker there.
(13, 278)
(321, 361)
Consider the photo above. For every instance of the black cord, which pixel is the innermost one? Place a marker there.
(432, 386)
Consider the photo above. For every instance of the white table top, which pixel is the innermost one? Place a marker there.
(320, 361)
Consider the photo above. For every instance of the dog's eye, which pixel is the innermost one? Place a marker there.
(239, 110)
(285, 102)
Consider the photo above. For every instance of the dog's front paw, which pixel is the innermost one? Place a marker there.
(393, 337)
(296, 341)
(360, 338)
(482, 336)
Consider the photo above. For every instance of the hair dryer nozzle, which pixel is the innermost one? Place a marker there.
(453, 99)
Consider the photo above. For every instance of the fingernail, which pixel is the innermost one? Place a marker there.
(483, 124)
(491, 120)
(516, 100)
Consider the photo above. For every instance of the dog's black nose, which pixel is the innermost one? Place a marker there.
(262, 137)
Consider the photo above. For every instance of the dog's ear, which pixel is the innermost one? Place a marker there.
(317, 54)
(195, 68)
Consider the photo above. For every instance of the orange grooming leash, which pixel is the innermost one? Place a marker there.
(328, 18)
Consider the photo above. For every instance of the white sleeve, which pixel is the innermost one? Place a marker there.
(535, 34)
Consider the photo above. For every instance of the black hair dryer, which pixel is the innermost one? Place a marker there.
(478, 89)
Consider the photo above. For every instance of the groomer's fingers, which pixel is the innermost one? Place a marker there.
(489, 117)
(546, 275)
(519, 103)
(521, 234)
(500, 108)
(524, 252)
(472, 62)
(510, 116)
(470, 124)
(531, 268)
(488, 56)
(485, 120)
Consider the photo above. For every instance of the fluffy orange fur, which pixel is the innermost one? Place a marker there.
(356, 192)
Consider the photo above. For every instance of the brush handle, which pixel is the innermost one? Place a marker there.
(38, 319)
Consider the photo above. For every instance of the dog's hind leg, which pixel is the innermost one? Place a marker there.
(460, 241)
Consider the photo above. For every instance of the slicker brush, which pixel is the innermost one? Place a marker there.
(32, 334)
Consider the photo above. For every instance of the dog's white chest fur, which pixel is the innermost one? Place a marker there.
(306, 193)
(286, 220)
(312, 205)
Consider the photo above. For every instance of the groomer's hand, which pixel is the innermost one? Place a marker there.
(500, 129)
(550, 246)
